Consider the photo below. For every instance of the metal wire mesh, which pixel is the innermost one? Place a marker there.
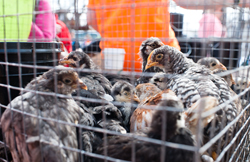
(49, 125)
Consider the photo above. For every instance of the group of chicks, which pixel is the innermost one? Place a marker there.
(66, 109)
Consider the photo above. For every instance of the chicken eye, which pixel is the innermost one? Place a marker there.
(152, 45)
(159, 56)
(67, 81)
(74, 58)
(213, 64)
(126, 93)
(157, 80)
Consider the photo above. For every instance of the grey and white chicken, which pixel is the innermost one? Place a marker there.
(31, 138)
(190, 82)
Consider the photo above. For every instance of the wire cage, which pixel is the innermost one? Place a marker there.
(105, 80)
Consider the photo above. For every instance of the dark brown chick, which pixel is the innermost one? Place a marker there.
(121, 147)
(99, 88)
(77, 59)
(33, 139)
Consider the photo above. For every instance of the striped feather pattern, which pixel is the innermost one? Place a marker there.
(190, 82)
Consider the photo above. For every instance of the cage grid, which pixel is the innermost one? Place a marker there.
(46, 129)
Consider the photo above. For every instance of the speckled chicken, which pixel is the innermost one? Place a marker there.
(191, 81)
(124, 93)
(33, 139)
(149, 95)
(99, 88)
(146, 48)
(217, 67)
(121, 147)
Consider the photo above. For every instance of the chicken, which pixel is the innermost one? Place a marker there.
(149, 95)
(146, 48)
(190, 82)
(124, 93)
(241, 84)
(211, 63)
(113, 78)
(81, 60)
(202, 105)
(99, 88)
(36, 139)
(121, 147)
(217, 67)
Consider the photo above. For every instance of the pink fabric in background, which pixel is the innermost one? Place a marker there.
(210, 26)
(44, 28)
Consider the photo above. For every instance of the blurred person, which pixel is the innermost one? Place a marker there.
(44, 27)
(63, 33)
(125, 24)
(210, 24)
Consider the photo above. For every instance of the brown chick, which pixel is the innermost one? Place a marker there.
(121, 147)
(216, 66)
(99, 88)
(32, 139)
(149, 95)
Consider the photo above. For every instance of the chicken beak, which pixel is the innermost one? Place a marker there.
(150, 64)
(162, 44)
(135, 97)
(69, 62)
(221, 66)
(65, 58)
(82, 85)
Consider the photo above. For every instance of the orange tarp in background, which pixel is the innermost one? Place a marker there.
(125, 24)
